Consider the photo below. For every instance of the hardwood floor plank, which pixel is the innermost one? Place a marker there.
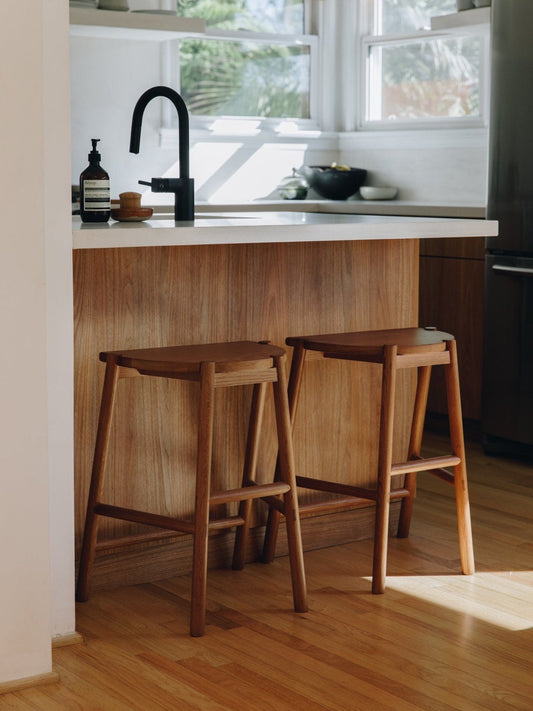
(431, 661)
(295, 669)
(435, 641)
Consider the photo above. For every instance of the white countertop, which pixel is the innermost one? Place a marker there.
(264, 227)
(351, 207)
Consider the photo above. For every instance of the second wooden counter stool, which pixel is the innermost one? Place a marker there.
(392, 350)
(212, 366)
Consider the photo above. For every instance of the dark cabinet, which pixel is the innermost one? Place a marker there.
(451, 298)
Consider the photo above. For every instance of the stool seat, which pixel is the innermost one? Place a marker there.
(392, 350)
(178, 360)
(213, 365)
(406, 340)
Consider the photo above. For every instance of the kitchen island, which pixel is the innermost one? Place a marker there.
(233, 276)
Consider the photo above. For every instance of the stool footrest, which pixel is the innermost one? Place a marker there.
(253, 491)
(334, 487)
(444, 474)
(151, 519)
(135, 539)
(349, 493)
(144, 517)
(218, 524)
(344, 503)
(427, 464)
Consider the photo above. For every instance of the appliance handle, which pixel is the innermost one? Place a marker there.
(514, 270)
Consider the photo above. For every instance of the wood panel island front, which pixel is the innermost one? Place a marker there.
(235, 276)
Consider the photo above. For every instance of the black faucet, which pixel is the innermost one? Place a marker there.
(182, 187)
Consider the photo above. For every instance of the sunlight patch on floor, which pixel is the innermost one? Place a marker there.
(498, 598)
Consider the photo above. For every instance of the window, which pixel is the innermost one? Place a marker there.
(255, 61)
(414, 75)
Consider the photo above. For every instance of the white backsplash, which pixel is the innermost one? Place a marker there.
(108, 77)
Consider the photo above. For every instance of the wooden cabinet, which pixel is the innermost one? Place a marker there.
(451, 298)
(157, 296)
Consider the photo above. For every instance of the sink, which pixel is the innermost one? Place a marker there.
(202, 216)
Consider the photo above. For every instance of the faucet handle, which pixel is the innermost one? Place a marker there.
(164, 185)
(183, 189)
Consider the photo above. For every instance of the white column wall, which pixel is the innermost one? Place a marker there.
(60, 324)
(36, 309)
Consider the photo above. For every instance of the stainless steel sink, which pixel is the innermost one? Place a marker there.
(203, 216)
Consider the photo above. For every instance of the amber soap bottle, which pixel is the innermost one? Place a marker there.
(95, 196)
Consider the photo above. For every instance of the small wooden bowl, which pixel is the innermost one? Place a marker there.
(135, 215)
(130, 209)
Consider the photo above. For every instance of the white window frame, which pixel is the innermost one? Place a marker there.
(251, 125)
(368, 40)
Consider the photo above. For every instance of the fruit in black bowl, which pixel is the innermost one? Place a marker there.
(334, 182)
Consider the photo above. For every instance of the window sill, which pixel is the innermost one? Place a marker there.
(419, 139)
(252, 133)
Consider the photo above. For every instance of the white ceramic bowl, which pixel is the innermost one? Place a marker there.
(374, 193)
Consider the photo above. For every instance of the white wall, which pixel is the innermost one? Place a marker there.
(108, 76)
(428, 166)
(36, 305)
(60, 325)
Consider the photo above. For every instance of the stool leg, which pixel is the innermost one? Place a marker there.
(95, 491)
(295, 381)
(415, 445)
(455, 417)
(286, 471)
(201, 508)
(388, 387)
(249, 472)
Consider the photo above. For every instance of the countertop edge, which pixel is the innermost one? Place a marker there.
(262, 228)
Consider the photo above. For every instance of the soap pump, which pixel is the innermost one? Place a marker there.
(95, 196)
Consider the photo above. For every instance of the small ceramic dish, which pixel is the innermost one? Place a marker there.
(369, 192)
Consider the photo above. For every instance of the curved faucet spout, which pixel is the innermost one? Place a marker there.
(182, 187)
(183, 118)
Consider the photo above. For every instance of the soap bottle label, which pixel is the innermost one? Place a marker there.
(96, 195)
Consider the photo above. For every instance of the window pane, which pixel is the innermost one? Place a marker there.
(429, 79)
(407, 15)
(276, 16)
(227, 78)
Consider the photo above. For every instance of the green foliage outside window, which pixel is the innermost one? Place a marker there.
(433, 78)
(245, 78)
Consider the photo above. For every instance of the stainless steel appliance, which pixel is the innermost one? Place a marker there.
(508, 350)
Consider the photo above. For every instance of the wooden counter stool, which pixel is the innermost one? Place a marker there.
(392, 350)
(213, 366)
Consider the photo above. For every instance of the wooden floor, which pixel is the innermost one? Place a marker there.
(435, 641)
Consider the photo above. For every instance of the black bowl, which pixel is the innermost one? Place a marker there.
(334, 184)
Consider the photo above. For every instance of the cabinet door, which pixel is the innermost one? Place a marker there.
(508, 381)
(460, 247)
(451, 298)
